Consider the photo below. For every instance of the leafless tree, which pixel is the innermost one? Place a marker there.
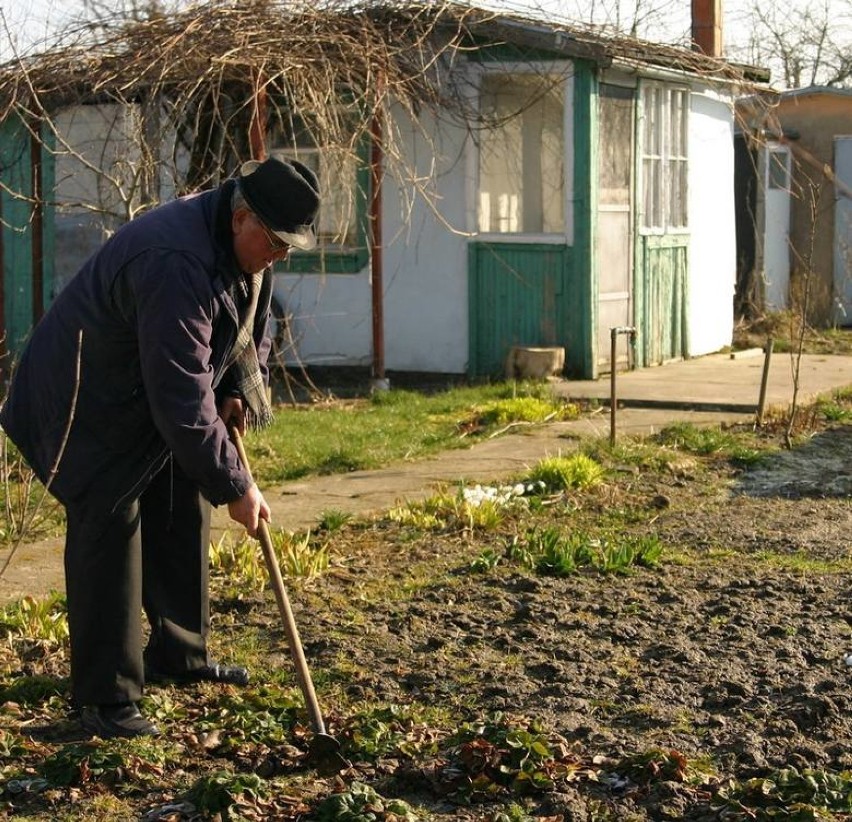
(804, 44)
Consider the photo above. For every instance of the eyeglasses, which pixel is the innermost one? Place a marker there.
(276, 244)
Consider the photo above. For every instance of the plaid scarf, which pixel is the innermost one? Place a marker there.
(247, 375)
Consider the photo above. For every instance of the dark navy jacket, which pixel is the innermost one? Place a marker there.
(157, 323)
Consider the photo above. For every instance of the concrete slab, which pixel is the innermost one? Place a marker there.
(720, 382)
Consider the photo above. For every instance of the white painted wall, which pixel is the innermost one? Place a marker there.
(424, 268)
(712, 247)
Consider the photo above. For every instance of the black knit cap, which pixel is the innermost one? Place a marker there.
(284, 194)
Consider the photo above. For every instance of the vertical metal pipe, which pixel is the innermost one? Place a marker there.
(613, 338)
(764, 380)
(376, 163)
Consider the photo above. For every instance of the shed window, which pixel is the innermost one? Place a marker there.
(779, 169)
(665, 157)
(521, 155)
(343, 180)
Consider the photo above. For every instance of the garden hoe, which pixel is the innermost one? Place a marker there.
(324, 749)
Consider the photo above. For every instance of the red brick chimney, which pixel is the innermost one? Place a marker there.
(707, 27)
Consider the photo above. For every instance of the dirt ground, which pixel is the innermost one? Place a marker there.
(734, 655)
(697, 689)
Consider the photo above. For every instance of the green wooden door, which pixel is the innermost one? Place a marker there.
(519, 295)
(663, 264)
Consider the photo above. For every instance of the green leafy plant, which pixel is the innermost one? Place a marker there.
(36, 619)
(618, 555)
(452, 511)
(790, 793)
(261, 716)
(557, 554)
(834, 411)
(709, 440)
(105, 761)
(514, 813)
(420, 515)
(496, 754)
(660, 765)
(383, 730)
(361, 803)
(218, 792)
(12, 745)
(240, 560)
(559, 473)
(297, 554)
(32, 690)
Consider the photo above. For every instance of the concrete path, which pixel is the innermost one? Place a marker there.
(704, 391)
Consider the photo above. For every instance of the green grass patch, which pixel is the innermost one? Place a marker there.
(802, 563)
(391, 425)
(711, 441)
(523, 410)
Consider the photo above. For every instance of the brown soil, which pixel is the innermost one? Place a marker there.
(732, 654)
(658, 687)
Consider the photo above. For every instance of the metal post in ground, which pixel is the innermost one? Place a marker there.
(613, 356)
(767, 359)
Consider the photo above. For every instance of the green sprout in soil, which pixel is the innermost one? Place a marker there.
(333, 520)
(551, 552)
(240, 561)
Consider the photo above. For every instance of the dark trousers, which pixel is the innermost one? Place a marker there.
(152, 554)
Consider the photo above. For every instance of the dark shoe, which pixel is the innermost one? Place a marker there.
(213, 672)
(108, 721)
